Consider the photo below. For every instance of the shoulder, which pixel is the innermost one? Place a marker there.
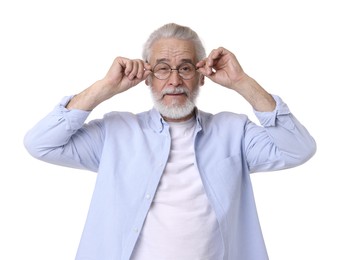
(126, 119)
(223, 124)
(221, 117)
(119, 115)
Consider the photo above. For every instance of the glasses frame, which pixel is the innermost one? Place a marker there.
(176, 69)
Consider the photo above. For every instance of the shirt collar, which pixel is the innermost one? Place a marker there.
(157, 123)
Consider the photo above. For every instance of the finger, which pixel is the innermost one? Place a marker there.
(208, 67)
(200, 65)
(146, 73)
(133, 69)
(217, 54)
(147, 66)
(213, 58)
(128, 67)
(214, 55)
(141, 69)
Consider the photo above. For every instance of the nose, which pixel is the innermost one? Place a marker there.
(174, 78)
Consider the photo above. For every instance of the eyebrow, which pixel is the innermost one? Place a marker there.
(167, 60)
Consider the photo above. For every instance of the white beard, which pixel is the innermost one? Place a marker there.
(174, 110)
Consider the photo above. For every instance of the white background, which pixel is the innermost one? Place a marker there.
(50, 49)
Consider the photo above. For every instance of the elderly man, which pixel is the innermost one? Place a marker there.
(173, 182)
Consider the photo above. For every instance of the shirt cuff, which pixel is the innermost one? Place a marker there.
(269, 118)
(75, 118)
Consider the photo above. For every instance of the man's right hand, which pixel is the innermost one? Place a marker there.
(123, 74)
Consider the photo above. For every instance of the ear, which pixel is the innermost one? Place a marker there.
(201, 80)
(147, 81)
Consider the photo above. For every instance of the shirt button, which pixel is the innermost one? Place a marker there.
(136, 230)
(147, 196)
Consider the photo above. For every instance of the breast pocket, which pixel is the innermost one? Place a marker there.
(225, 178)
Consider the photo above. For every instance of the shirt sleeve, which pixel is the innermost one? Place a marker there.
(62, 138)
(282, 141)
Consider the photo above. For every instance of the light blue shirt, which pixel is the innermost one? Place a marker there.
(129, 153)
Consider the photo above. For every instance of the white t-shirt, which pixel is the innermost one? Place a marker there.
(180, 224)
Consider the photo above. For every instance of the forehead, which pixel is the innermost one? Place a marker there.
(172, 50)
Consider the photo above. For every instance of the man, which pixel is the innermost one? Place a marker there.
(173, 182)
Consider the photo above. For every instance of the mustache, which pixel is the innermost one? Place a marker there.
(177, 90)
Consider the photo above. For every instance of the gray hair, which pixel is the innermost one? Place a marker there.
(172, 30)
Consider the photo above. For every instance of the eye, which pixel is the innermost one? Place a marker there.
(186, 68)
(161, 67)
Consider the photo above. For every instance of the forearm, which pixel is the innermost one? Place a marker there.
(89, 98)
(258, 97)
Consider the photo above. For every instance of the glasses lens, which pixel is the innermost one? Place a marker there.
(162, 70)
(187, 70)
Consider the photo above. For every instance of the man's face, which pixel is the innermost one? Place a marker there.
(174, 96)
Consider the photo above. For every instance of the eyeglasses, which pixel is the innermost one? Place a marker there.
(163, 70)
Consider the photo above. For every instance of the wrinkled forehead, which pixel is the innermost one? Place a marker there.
(172, 51)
